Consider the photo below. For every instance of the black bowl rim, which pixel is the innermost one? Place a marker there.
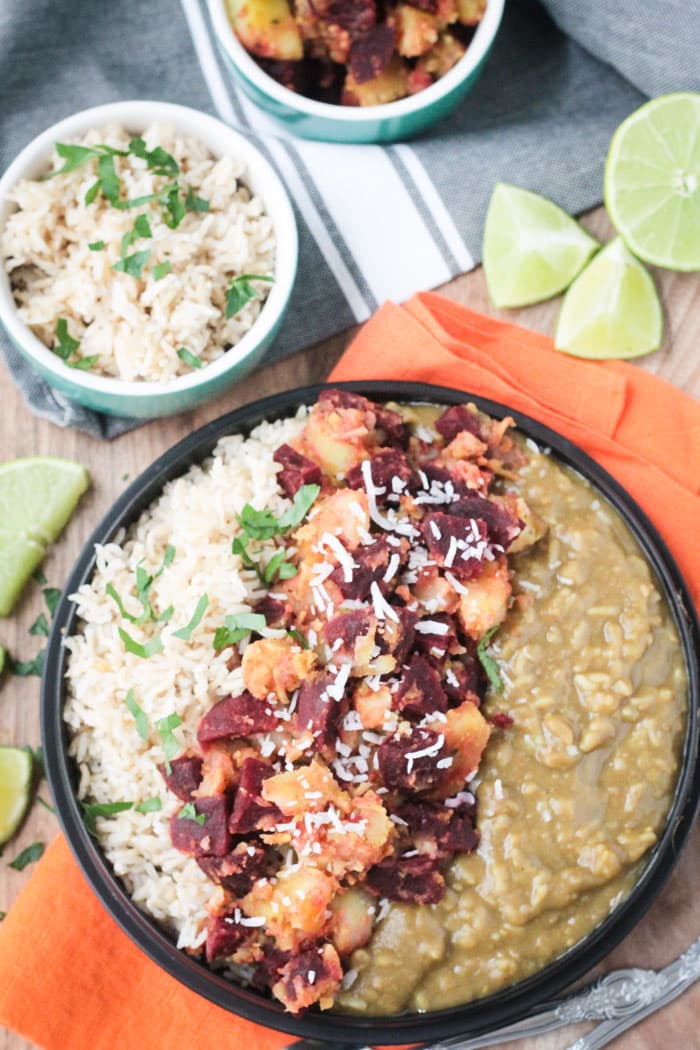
(502, 1007)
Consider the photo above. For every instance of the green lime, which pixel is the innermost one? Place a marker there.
(16, 769)
(611, 309)
(652, 181)
(532, 249)
(37, 497)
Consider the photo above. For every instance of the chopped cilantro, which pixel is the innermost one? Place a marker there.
(186, 632)
(241, 291)
(83, 363)
(188, 812)
(158, 160)
(139, 715)
(108, 178)
(40, 626)
(96, 246)
(25, 668)
(149, 805)
(45, 804)
(488, 663)
(133, 264)
(236, 628)
(298, 637)
(37, 755)
(75, 156)
(278, 567)
(239, 547)
(262, 525)
(189, 358)
(92, 810)
(165, 727)
(146, 650)
(52, 596)
(161, 270)
(195, 203)
(39, 576)
(28, 856)
(142, 227)
(173, 207)
(64, 346)
(2, 915)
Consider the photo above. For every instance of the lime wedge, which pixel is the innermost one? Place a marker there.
(652, 181)
(532, 249)
(37, 497)
(16, 768)
(611, 309)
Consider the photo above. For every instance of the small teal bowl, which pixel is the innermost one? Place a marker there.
(392, 122)
(146, 400)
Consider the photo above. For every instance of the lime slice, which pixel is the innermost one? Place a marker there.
(37, 497)
(652, 181)
(611, 309)
(532, 249)
(16, 768)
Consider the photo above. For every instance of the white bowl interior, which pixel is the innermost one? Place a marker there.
(221, 140)
(483, 37)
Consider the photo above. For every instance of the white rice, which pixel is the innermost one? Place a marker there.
(197, 515)
(135, 326)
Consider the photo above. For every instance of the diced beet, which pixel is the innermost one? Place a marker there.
(440, 830)
(420, 692)
(371, 564)
(292, 74)
(345, 628)
(501, 526)
(456, 419)
(462, 678)
(319, 712)
(238, 870)
(401, 769)
(424, 5)
(225, 935)
(268, 969)
(308, 976)
(385, 465)
(340, 399)
(434, 643)
(236, 716)
(250, 810)
(502, 720)
(357, 17)
(210, 837)
(184, 777)
(371, 53)
(413, 879)
(465, 556)
(276, 612)
(398, 638)
(297, 470)
(394, 430)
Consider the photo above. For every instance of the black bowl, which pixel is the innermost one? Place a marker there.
(505, 1006)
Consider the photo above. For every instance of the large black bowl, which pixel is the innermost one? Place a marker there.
(473, 1018)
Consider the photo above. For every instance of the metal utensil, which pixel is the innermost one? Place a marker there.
(619, 1000)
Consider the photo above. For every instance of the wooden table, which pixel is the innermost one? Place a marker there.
(672, 923)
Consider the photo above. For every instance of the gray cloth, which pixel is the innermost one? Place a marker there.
(541, 116)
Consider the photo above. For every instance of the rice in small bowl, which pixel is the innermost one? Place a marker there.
(148, 261)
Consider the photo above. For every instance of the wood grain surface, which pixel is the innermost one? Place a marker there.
(674, 920)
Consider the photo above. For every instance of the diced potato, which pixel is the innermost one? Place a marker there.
(535, 527)
(353, 917)
(276, 665)
(435, 593)
(465, 446)
(444, 55)
(470, 12)
(485, 603)
(387, 87)
(466, 735)
(344, 514)
(337, 441)
(266, 28)
(294, 907)
(308, 789)
(416, 30)
(373, 706)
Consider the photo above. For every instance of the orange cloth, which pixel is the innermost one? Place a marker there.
(69, 978)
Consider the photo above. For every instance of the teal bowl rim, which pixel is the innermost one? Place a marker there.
(338, 115)
(260, 176)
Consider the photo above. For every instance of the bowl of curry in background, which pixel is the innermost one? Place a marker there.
(445, 969)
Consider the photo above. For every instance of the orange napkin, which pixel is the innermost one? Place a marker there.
(69, 978)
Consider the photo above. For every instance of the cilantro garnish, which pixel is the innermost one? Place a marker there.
(52, 596)
(195, 203)
(39, 576)
(28, 856)
(146, 650)
(139, 715)
(165, 727)
(133, 264)
(2, 915)
(241, 291)
(189, 358)
(161, 270)
(278, 567)
(75, 156)
(158, 160)
(186, 632)
(173, 208)
(66, 348)
(149, 805)
(45, 804)
(143, 586)
(25, 668)
(298, 637)
(488, 663)
(96, 246)
(92, 810)
(239, 547)
(188, 812)
(236, 628)
(40, 626)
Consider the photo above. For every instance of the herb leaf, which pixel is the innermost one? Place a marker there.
(161, 270)
(158, 160)
(40, 626)
(301, 505)
(39, 576)
(146, 650)
(194, 203)
(298, 637)
(239, 547)
(188, 357)
(64, 345)
(108, 178)
(96, 246)
(114, 595)
(73, 156)
(28, 856)
(92, 810)
(488, 663)
(173, 207)
(165, 727)
(186, 632)
(142, 227)
(45, 804)
(25, 668)
(236, 628)
(149, 805)
(277, 566)
(139, 715)
(133, 264)
(52, 596)
(188, 812)
(241, 291)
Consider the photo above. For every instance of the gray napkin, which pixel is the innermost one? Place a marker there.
(541, 116)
